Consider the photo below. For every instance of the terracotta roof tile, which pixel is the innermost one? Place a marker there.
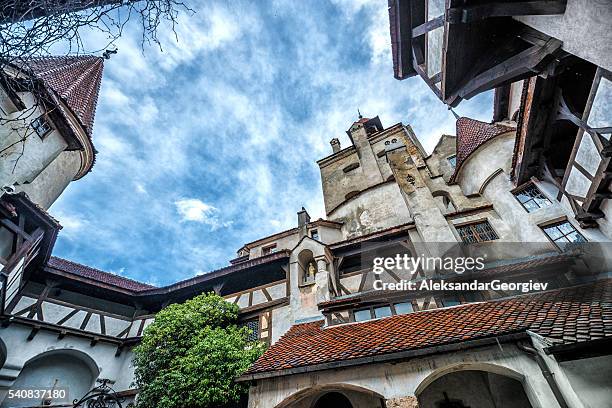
(471, 134)
(563, 316)
(96, 274)
(75, 80)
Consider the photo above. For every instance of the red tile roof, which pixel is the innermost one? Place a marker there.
(75, 80)
(563, 316)
(471, 134)
(96, 274)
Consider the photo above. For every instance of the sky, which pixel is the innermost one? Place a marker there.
(211, 142)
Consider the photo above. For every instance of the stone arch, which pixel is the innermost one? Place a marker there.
(66, 369)
(308, 397)
(444, 201)
(472, 384)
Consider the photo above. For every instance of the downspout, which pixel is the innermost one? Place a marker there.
(548, 375)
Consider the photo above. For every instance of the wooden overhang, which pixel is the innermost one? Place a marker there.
(552, 124)
(34, 231)
(483, 46)
(227, 280)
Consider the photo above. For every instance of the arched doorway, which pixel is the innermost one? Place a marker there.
(333, 400)
(69, 372)
(474, 389)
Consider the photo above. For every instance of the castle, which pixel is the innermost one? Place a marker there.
(530, 190)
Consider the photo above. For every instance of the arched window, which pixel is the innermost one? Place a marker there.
(444, 202)
(307, 267)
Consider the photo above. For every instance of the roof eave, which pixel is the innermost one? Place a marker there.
(383, 358)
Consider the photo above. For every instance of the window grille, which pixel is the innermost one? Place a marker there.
(562, 233)
(531, 198)
(477, 232)
(41, 126)
(253, 326)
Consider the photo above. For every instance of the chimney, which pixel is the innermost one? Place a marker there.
(303, 220)
(335, 144)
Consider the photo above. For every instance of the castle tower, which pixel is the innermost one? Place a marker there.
(359, 188)
(48, 105)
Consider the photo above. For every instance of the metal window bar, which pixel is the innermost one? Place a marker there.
(477, 232)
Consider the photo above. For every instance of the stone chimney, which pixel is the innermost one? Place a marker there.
(303, 220)
(335, 144)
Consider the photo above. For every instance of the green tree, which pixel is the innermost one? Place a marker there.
(191, 354)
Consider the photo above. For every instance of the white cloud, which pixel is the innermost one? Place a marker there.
(193, 209)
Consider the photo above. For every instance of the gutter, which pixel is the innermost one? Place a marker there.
(548, 375)
(389, 357)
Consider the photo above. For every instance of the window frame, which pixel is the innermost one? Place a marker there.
(556, 222)
(472, 224)
(524, 187)
(454, 158)
(269, 249)
(45, 121)
(313, 232)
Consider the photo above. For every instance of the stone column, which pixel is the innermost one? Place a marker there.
(322, 281)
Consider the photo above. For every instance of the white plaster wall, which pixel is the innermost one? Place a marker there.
(101, 354)
(516, 89)
(591, 380)
(25, 161)
(375, 209)
(584, 29)
(54, 178)
(488, 158)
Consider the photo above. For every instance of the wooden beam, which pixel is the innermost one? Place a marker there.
(428, 26)
(469, 14)
(510, 69)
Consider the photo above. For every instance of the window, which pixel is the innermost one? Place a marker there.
(362, 315)
(452, 160)
(403, 308)
(531, 198)
(562, 233)
(476, 232)
(382, 311)
(253, 326)
(350, 167)
(268, 249)
(314, 234)
(41, 126)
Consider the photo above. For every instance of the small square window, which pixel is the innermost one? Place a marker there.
(382, 311)
(268, 249)
(452, 160)
(41, 126)
(253, 326)
(403, 308)
(531, 198)
(362, 315)
(562, 233)
(314, 234)
(477, 232)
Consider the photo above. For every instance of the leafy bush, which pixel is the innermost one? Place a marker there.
(191, 354)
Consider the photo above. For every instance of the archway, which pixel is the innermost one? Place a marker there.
(473, 388)
(333, 400)
(70, 372)
(333, 396)
(307, 266)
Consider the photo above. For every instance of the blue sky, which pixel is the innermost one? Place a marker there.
(212, 142)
